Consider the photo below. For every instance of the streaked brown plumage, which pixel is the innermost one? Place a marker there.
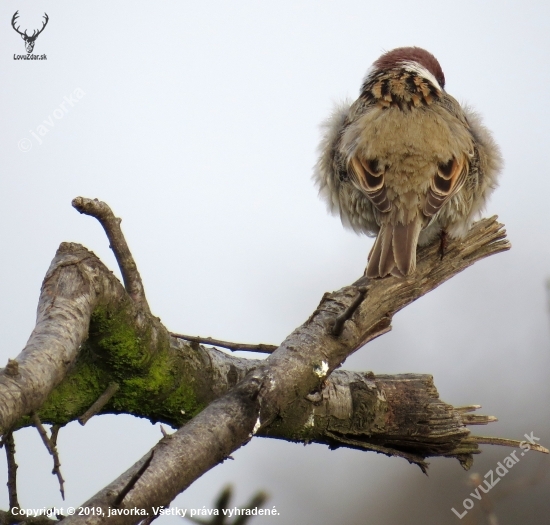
(405, 160)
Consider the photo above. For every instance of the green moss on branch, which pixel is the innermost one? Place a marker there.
(133, 350)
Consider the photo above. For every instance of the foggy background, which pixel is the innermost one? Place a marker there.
(198, 125)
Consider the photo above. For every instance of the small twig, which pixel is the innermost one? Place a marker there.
(355, 443)
(234, 347)
(489, 440)
(54, 431)
(467, 408)
(52, 449)
(133, 480)
(101, 401)
(473, 419)
(348, 312)
(125, 260)
(9, 444)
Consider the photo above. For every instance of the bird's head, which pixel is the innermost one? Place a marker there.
(414, 59)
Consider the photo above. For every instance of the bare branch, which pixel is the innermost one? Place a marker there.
(489, 440)
(474, 419)
(133, 480)
(235, 347)
(111, 225)
(75, 284)
(297, 368)
(468, 408)
(9, 445)
(52, 449)
(102, 400)
(355, 443)
(291, 387)
(54, 433)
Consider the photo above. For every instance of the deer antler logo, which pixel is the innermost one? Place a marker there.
(29, 40)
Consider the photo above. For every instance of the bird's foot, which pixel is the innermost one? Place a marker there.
(443, 242)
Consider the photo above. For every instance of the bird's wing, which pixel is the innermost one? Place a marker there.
(371, 182)
(447, 181)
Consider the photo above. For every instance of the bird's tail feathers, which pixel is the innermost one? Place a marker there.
(394, 251)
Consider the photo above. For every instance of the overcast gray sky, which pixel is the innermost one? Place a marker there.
(198, 123)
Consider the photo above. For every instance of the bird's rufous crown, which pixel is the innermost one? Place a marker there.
(402, 55)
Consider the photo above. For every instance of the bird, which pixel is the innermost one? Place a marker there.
(405, 162)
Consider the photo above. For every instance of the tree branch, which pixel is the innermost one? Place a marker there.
(76, 284)
(235, 347)
(299, 366)
(9, 445)
(50, 445)
(132, 481)
(289, 393)
(101, 401)
(111, 225)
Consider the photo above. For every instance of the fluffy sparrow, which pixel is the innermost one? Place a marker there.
(405, 161)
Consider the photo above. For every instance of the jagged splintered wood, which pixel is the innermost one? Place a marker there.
(91, 332)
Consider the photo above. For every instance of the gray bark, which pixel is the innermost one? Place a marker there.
(294, 394)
